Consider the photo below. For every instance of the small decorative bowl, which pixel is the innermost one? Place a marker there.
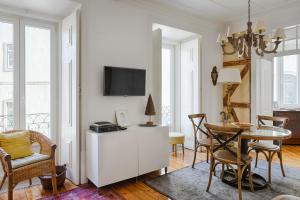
(242, 124)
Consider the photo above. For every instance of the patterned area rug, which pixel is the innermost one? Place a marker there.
(190, 184)
(86, 193)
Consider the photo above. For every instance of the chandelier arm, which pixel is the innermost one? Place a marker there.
(274, 50)
(259, 53)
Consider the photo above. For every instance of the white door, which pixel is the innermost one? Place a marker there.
(70, 140)
(156, 72)
(190, 88)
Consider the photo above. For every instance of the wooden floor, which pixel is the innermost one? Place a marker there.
(132, 189)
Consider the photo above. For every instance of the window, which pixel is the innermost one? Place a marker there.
(167, 109)
(286, 81)
(8, 57)
(292, 40)
(27, 97)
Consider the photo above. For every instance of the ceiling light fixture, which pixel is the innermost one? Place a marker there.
(242, 43)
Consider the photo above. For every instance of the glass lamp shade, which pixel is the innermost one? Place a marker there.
(279, 33)
(260, 27)
(229, 76)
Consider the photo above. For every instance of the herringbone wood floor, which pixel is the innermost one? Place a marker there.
(132, 189)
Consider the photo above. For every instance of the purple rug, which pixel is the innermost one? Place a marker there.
(86, 193)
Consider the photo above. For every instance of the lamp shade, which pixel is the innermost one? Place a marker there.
(229, 76)
(260, 27)
(279, 33)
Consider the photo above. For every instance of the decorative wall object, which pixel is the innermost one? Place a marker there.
(214, 75)
(122, 117)
(150, 110)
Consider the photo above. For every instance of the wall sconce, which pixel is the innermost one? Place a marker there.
(214, 75)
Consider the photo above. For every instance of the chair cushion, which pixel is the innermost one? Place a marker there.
(286, 197)
(17, 144)
(176, 138)
(36, 157)
(263, 146)
(226, 156)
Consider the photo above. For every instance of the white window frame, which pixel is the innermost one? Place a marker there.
(19, 23)
(53, 73)
(280, 78)
(171, 47)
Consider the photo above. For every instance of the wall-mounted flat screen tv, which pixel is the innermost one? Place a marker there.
(120, 81)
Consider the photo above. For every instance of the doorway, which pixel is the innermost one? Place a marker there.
(180, 79)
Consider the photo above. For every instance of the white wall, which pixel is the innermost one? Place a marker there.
(119, 33)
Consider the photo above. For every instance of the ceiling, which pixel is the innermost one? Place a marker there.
(173, 34)
(226, 10)
(58, 8)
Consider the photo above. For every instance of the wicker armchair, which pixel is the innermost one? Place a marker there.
(16, 171)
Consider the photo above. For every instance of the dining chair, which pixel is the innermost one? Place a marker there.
(269, 150)
(228, 155)
(199, 141)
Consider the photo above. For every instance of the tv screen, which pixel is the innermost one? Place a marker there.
(124, 81)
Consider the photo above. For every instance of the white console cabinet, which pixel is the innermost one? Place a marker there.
(120, 155)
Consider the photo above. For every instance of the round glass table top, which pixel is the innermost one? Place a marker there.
(262, 132)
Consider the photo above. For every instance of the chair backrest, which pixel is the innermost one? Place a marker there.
(224, 136)
(197, 120)
(280, 122)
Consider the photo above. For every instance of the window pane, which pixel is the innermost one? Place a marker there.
(6, 76)
(37, 79)
(275, 81)
(290, 45)
(290, 80)
(166, 86)
(290, 33)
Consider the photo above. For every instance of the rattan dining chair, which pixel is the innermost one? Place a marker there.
(197, 121)
(269, 150)
(29, 167)
(225, 154)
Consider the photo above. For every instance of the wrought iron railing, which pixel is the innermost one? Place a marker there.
(37, 121)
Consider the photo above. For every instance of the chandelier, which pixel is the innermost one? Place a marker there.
(242, 43)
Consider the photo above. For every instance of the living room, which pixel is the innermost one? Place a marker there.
(59, 60)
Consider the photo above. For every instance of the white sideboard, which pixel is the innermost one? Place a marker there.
(115, 156)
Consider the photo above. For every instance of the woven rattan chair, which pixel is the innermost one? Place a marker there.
(29, 167)
(197, 120)
(269, 150)
(227, 155)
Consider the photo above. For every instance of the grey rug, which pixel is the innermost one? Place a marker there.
(190, 184)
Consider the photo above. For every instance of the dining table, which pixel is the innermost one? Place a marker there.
(250, 133)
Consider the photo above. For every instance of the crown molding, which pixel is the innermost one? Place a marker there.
(158, 11)
(14, 11)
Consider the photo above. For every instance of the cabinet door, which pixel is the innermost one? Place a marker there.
(153, 148)
(118, 157)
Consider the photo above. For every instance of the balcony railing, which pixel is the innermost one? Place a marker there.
(38, 121)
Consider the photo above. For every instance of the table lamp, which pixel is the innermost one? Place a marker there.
(229, 77)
